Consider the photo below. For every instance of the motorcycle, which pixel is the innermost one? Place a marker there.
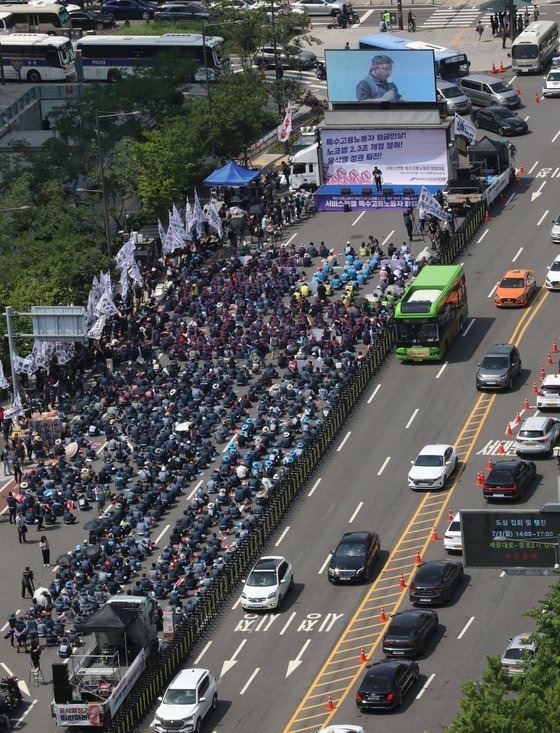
(10, 694)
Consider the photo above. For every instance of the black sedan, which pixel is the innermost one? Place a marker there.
(409, 632)
(354, 557)
(90, 20)
(509, 479)
(179, 12)
(435, 582)
(386, 684)
(499, 119)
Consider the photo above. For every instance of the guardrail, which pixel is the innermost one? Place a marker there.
(48, 91)
(191, 629)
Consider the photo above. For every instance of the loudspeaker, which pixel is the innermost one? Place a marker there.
(367, 191)
(388, 191)
(62, 689)
(345, 190)
(463, 174)
(408, 191)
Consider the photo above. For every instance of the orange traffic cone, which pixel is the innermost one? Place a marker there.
(518, 90)
(509, 430)
(554, 348)
(549, 359)
(535, 390)
(363, 658)
(330, 705)
(501, 69)
(402, 584)
(526, 404)
(521, 170)
(490, 466)
(517, 418)
(493, 69)
(450, 515)
(382, 616)
(542, 373)
(537, 100)
(480, 479)
(418, 559)
(501, 450)
(435, 537)
(487, 217)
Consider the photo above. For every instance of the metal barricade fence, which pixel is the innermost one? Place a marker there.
(192, 629)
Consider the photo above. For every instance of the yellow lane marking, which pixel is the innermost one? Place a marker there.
(468, 437)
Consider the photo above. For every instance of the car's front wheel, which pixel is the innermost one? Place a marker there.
(145, 16)
(214, 702)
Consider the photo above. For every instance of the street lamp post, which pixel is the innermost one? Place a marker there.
(105, 116)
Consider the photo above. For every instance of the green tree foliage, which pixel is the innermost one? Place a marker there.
(529, 702)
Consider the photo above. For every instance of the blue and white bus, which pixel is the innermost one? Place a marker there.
(450, 64)
(109, 58)
(37, 57)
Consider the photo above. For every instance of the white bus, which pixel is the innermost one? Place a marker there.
(7, 23)
(51, 19)
(36, 57)
(535, 46)
(109, 58)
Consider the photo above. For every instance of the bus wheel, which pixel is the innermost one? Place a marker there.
(33, 76)
(113, 76)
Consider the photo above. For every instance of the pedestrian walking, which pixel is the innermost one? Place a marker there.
(492, 26)
(45, 551)
(27, 582)
(16, 464)
(21, 527)
(479, 29)
(504, 35)
(535, 13)
(5, 456)
(12, 507)
(387, 20)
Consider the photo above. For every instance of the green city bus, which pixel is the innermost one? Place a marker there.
(431, 313)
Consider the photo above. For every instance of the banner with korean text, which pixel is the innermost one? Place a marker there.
(404, 157)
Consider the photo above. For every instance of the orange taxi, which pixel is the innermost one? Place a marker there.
(516, 288)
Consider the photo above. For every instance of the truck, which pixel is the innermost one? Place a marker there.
(90, 689)
(491, 168)
(303, 161)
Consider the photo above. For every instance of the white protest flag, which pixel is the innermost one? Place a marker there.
(16, 408)
(4, 384)
(126, 252)
(96, 330)
(198, 215)
(175, 234)
(430, 205)
(106, 307)
(134, 272)
(285, 129)
(125, 287)
(214, 218)
(64, 352)
(23, 365)
(189, 219)
(105, 283)
(465, 128)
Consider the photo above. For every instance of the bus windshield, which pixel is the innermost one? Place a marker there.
(66, 53)
(525, 51)
(415, 332)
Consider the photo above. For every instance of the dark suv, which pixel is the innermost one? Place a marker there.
(498, 369)
(509, 479)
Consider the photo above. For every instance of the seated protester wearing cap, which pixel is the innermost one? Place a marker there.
(65, 649)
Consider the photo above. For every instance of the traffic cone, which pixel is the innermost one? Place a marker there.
(521, 169)
(526, 404)
(402, 584)
(501, 69)
(487, 217)
(537, 100)
(493, 69)
(418, 559)
(450, 515)
(363, 658)
(330, 705)
(517, 418)
(542, 373)
(549, 360)
(501, 450)
(535, 390)
(435, 537)
(480, 479)
(382, 616)
(490, 466)
(518, 90)
(554, 348)
(508, 430)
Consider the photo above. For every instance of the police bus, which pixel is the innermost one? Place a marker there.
(37, 57)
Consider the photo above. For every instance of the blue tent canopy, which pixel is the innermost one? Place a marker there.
(231, 175)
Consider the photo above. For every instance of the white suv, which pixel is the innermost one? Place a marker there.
(267, 583)
(192, 694)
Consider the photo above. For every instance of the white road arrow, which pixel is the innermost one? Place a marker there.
(537, 193)
(229, 663)
(293, 664)
(23, 687)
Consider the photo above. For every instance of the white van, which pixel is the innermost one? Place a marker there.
(54, 20)
(7, 23)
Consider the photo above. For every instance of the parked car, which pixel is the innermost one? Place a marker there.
(509, 479)
(270, 579)
(129, 9)
(354, 557)
(499, 119)
(90, 20)
(385, 685)
(516, 288)
(549, 392)
(179, 12)
(288, 56)
(432, 467)
(537, 435)
(552, 280)
(435, 582)
(521, 651)
(190, 697)
(320, 7)
(409, 632)
(501, 365)
(452, 539)
(551, 84)
(555, 231)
